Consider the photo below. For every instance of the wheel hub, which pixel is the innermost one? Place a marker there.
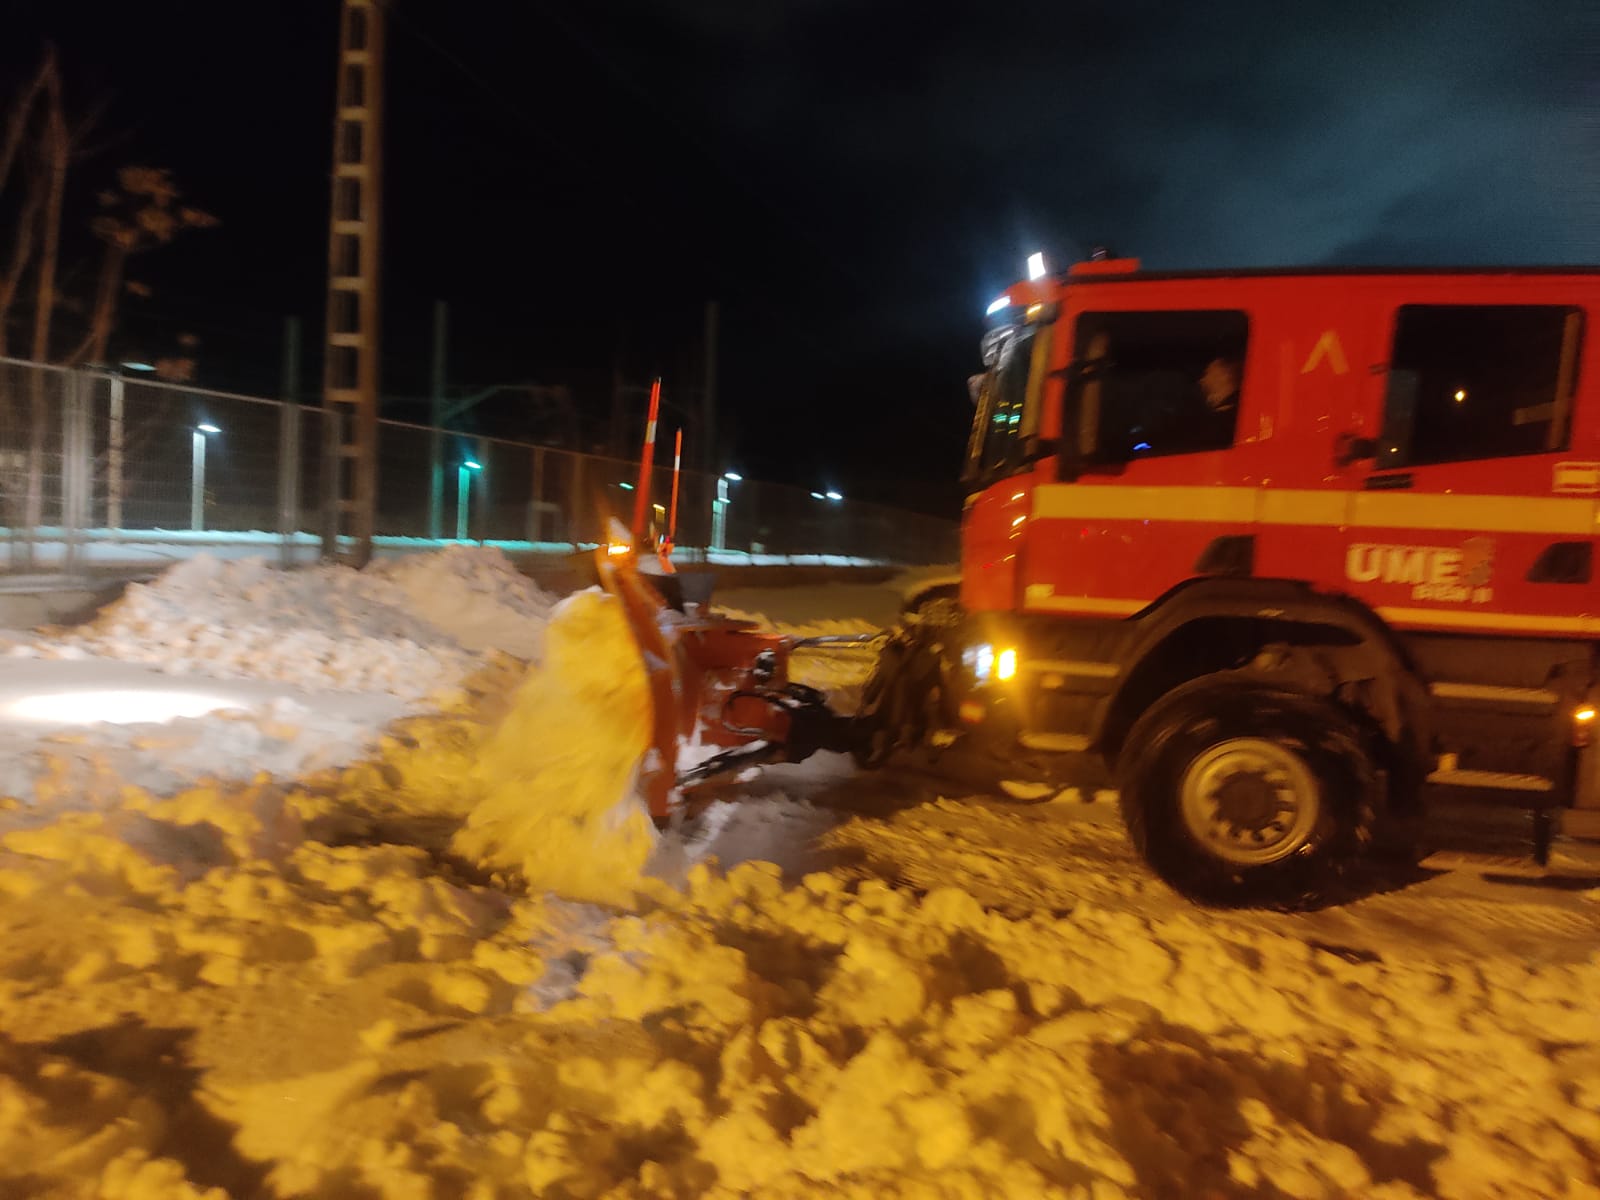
(1250, 801)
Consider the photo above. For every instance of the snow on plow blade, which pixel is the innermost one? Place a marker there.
(719, 688)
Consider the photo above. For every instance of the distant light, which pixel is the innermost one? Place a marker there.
(1141, 445)
(818, 496)
(208, 428)
(472, 465)
(1460, 395)
(618, 549)
(1036, 265)
(1584, 714)
(733, 475)
(627, 487)
(137, 366)
(995, 305)
(833, 495)
(1005, 664)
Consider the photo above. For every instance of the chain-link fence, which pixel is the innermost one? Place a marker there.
(103, 468)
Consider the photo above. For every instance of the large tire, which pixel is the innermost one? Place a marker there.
(1239, 793)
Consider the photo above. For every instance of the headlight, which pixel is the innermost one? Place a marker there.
(986, 663)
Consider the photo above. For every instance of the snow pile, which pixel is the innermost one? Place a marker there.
(556, 777)
(475, 595)
(739, 1037)
(408, 628)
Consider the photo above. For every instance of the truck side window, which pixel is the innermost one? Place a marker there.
(1159, 382)
(1479, 381)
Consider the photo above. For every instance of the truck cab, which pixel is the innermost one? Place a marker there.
(1338, 524)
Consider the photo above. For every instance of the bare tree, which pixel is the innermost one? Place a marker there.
(139, 214)
(55, 149)
(18, 124)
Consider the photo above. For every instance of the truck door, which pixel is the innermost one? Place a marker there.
(1476, 513)
(1001, 455)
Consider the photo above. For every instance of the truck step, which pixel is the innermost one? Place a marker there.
(1492, 780)
(1457, 821)
(1490, 791)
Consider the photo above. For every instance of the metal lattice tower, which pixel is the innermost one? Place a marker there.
(350, 371)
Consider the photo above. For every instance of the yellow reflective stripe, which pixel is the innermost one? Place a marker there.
(1459, 618)
(1283, 506)
(1331, 508)
(1146, 503)
(1084, 604)
(1488, 514)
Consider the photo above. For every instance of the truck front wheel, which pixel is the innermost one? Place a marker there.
(1237, 793)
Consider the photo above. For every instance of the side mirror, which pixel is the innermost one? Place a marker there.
(1351, 448)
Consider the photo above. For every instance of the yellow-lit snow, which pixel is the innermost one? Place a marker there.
(319, 990)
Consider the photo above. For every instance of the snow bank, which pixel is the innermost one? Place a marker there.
(408, 628)
(742, 1036)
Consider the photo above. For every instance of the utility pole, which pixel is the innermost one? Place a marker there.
(350, 370)
(436, 409)
(708, 395)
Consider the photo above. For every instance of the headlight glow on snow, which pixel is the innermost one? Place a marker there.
(116, 706)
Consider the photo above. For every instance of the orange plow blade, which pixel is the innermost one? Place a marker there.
(719, 687)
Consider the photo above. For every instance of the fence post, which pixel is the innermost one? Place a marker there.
(114, 449)
(535, 513)
(76, 472)
(575, 501)
(480, 485)
(288, 480)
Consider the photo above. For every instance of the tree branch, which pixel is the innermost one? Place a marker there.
(17, 120)
(58, 147)
(21, 252)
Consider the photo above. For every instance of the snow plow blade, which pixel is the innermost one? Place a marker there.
(719, 688)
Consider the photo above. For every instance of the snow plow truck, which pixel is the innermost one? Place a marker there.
(1301, 557)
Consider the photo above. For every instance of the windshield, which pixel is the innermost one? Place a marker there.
(999, 425)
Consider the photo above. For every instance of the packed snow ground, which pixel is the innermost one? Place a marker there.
(301, 986)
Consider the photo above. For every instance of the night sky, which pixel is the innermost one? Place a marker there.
(851, 179)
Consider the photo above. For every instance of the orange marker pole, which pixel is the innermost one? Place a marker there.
(641, 497)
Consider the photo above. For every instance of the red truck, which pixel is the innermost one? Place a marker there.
(1295, 552)
(1300, 556)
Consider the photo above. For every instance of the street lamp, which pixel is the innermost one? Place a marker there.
(463, 486)
(197, 474)
(719, 509)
